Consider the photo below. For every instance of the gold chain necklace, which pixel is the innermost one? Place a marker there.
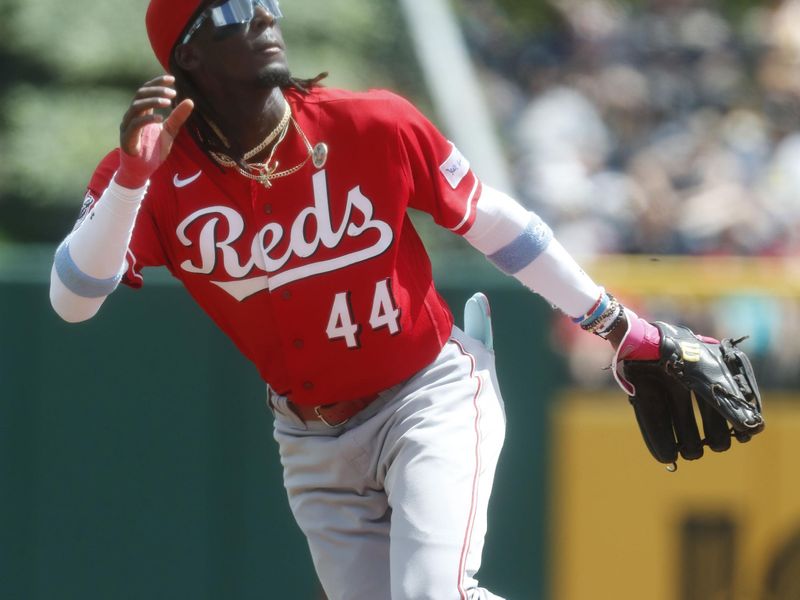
(280, 129)
(264, 173)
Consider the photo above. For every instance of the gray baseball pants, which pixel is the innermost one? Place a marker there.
(394, 503)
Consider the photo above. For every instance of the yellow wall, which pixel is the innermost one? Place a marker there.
(617, 514)
(707, 277)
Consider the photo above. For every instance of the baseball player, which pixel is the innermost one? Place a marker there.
(281, 207)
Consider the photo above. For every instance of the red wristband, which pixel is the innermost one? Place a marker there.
(135, 171)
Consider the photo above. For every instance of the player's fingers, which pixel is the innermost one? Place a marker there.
(161, 80)
(178, 117)
(148, 104)
(140, 106)
(155, 92)
(130, 136)
(143, 107)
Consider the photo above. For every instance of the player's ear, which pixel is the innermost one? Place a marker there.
(187, 57)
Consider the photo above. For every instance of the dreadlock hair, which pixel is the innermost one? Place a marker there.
(199, 123)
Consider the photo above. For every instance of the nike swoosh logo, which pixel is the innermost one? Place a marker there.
(179, 183)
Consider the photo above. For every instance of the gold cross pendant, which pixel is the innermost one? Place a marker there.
(267, 171)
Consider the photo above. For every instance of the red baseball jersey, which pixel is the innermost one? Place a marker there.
(321, 279)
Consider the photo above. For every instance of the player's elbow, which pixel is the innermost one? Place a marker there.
(71, 314)
(68, 305)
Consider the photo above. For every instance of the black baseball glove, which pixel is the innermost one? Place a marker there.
(722, 379)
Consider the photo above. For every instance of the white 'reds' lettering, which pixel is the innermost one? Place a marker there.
(340, 323)
(384, 310)
(208, 242)
(262, 249)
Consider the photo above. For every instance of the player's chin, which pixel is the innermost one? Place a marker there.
(275, 75)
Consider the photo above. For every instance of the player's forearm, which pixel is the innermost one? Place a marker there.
(519, 243)
(90, 262)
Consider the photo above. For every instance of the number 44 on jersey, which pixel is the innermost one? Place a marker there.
(342, 324)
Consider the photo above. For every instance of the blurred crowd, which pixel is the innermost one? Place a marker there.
(658, 127)
(662, 126)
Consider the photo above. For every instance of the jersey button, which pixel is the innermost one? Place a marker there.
(308, 385)
(298, 344)
(268, 209)
(286, 295)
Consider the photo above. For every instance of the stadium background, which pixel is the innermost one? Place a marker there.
(659, 137)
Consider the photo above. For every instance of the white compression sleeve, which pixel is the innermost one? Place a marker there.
(519, 243)
(91, 261)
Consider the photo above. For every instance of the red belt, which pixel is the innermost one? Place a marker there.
(333, 415)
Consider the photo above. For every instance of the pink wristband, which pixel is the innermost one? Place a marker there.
(642, 340)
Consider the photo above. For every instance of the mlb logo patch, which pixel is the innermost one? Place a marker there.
(455, 167)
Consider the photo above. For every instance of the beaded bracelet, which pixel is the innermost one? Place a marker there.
(602, 321)
(598, 308)
(604, 332)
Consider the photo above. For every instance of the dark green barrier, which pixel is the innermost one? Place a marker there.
(136, 457)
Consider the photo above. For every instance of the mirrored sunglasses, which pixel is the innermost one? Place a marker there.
(233, 12)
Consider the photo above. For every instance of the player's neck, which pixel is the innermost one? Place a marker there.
(248, 118)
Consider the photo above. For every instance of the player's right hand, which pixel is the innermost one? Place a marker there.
(145, 136)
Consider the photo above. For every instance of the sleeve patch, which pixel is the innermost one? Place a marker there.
(88, 202)
(455, 168)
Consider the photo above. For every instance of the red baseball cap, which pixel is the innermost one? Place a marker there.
(166, 20)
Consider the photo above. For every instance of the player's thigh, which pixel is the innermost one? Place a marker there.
(344, 518)
(348, 537)
(440, 480)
